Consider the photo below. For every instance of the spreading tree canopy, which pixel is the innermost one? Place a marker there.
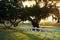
(13, 10)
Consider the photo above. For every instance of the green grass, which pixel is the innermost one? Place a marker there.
(25, 24)
(9, 34)
(51, 27)
(30, 25)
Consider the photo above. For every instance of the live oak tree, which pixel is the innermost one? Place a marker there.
(39, 13)
(9, 10)
(12, 10)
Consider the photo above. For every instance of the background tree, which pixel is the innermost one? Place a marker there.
(10, 10)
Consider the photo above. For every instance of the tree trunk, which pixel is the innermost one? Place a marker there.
(34, 22)
(15, 23)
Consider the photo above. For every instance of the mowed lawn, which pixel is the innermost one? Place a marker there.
(14, 34)
(11, 34)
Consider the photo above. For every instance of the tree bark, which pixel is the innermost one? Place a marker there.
(14, 23)
(34, 22)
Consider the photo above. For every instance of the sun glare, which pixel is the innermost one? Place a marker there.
(58, 4)
(28, 3)
(49, 19)
(41, 4)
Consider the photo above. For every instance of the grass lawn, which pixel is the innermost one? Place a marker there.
(9, 34)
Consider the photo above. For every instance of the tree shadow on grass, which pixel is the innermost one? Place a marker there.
(31, 36)
(6, 34)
